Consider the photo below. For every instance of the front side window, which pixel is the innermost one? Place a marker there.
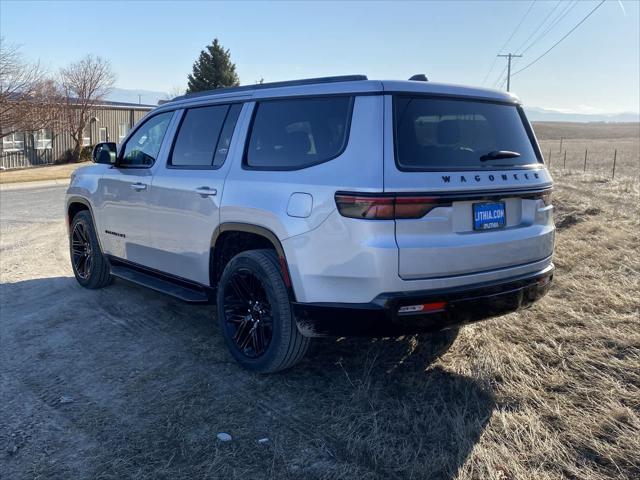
(43, 139)
(298, 133)
(200, 133)
(440, 134)
(144, 145)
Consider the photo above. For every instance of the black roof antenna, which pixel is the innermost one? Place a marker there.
(419, 77)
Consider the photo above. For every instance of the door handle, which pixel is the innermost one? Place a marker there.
(206, 192)
(138, 186)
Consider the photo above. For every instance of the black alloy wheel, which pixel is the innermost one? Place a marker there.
(90, 266)
(248, 319)
(81, 251)
(255, 314)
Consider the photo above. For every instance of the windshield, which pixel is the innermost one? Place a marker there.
(440, 134)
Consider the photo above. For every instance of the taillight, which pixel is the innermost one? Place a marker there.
(373, 208)
(415, 207)
(386, 207)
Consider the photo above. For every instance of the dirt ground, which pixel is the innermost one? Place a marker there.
(127, 383)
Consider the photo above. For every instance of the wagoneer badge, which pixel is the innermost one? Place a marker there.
(497, 177)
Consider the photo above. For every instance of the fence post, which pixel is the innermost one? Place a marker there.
(615, 155)
(549, 157)
(564, 163)
(561, 138)
(585, 162)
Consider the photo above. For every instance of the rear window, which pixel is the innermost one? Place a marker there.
(298, 133)
(440, 134)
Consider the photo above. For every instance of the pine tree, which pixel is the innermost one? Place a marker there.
(213, 69)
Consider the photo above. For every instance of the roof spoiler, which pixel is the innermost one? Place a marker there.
(419, 77)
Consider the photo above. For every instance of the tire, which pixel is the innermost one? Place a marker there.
(255, 316)
(89, 265)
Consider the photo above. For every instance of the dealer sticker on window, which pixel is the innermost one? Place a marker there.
(487, 216)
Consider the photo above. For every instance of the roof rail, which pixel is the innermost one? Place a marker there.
(260, 86)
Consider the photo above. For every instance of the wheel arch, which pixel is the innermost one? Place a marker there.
(231, 238)
(76, 204)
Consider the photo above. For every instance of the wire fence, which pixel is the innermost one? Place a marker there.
(608, 160)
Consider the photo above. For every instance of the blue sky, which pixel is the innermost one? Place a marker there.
(152, 45)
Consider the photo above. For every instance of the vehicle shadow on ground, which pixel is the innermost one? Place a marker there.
(152, 384)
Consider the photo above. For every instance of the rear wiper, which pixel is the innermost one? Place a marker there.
(498, 154)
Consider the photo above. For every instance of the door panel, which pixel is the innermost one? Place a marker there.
(184, 199)
(123, 191)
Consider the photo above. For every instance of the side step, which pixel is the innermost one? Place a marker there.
(163, 285)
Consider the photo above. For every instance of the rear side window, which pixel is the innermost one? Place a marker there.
(298, 133)
(204, 136)
(440, 134)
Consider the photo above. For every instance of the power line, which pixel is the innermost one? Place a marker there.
(570, 6)
(539, 26)
(497, 80)
(532, 39)
(554, 21)
(559, 41)
(508, 40)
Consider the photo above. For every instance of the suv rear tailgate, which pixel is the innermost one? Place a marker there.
(444, 243)
(434, 149)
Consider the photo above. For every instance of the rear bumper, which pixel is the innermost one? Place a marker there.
(463, 305)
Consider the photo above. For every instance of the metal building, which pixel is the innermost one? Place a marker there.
(110, 123)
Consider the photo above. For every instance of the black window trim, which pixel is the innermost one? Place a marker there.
(525, 123)
(247, 140)
(175, 138)
(133, 132)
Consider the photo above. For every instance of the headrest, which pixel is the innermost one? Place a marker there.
(298, 143)
(448, 132)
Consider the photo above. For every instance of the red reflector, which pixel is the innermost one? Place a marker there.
(432, 307)
(285, 271)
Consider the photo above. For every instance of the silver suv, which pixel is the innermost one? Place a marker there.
(331, 206)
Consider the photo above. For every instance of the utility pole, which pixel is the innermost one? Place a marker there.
(509, 56)
(140, 99)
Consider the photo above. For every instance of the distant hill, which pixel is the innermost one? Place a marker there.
(536, 114)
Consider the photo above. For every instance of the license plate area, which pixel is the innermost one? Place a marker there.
(488, 216)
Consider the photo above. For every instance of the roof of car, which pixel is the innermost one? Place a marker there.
(351, 84)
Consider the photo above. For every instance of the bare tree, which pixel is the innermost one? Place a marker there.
(29, 100)
(175, 91)
(84, 83)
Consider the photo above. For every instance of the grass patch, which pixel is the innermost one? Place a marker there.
(34, 174)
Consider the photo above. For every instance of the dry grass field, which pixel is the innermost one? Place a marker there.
(599, 139)
(549, 393)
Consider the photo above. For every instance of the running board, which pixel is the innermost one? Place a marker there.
(161, 284)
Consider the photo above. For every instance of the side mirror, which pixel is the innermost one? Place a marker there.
(105, 152)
